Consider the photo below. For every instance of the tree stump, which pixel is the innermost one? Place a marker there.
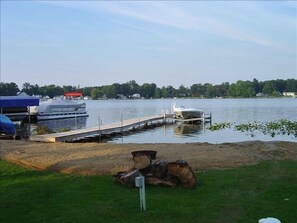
(151, 153)
(159, 169)
(183, 172)
(142, 163)
(159, 172)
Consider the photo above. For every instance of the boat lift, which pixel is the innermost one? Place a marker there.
(206, 118)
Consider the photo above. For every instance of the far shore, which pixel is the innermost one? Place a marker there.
(106, 158)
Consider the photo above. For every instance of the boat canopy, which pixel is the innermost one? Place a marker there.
(73, 94)
(18, 101)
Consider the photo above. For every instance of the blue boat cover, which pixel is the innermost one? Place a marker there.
(6, 126)
(18, 101)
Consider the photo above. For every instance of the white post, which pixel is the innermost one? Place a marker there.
(140, 182)
(75, 122)
(143, 195)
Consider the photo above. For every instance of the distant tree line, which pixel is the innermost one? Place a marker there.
(241, 89)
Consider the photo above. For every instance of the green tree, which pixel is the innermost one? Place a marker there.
(132, 87)
(164, 92)
(269, 87)
(291, 85)
(197, 90)
(244, 89)
(257, 86)
(250, 92)
(168, 92)
(158, 93)
(110, 91)
(51, 90)
(8, 89)
(148, 90)
(114, 90)
(31, 89)
(125, 89)
(222, 89)
(69, 88)
(231, 92)
(183, 91)
(26, 87)
(210, 90)
(87, 91)
(96, 93)
(280, 85)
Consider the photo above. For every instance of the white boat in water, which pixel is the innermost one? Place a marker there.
(57, 109)
(187, 113)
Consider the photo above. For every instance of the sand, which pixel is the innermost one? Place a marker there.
(106, 158)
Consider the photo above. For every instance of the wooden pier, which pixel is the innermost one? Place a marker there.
(108, 129)
(115, 128)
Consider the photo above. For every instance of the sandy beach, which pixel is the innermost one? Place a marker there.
(105, 158)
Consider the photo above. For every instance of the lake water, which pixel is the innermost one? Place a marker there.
(223, 110)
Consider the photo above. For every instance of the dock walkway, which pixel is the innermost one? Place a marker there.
(118, 127)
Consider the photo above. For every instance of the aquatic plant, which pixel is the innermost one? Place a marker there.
(41, 130)
(219, 126)
(280, 127)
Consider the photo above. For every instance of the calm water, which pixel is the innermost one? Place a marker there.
(223, 110)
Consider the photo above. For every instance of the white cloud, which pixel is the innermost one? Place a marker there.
(167, 14)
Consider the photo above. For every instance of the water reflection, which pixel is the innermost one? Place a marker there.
(181, 129)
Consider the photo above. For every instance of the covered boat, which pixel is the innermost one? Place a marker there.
(16, 107)
(187, 113)
(7, 126)
(57, 109)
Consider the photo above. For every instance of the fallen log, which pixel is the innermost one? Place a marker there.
(159, 169)
(182, 170)
(127, 178)
(159, 172)
(159, 182)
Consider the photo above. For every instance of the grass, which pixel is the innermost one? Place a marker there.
(243, 194)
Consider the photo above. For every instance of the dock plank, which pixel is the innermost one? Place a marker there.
(117, 127)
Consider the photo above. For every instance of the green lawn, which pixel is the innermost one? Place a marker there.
(236, 195)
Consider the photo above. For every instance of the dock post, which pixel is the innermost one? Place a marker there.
(99, 129)
(75, 123)
(121, 121)
(29, 116)
(121, 125)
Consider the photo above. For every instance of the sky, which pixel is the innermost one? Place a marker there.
(95, 43)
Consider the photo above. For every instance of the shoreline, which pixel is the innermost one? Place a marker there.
(106, 158)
